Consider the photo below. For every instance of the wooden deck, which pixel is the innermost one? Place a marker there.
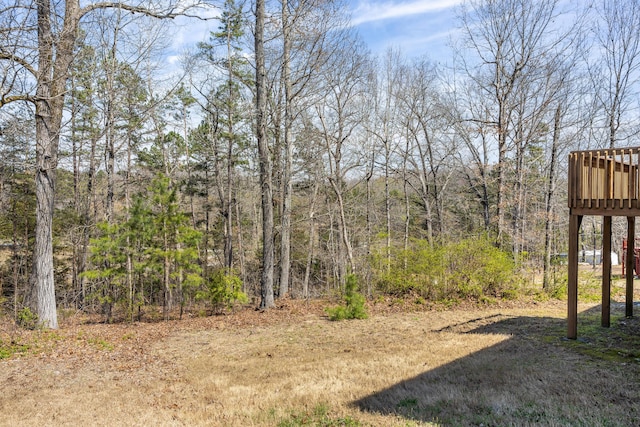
(602, 182)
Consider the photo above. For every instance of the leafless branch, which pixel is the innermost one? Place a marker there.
(169, 13)
(14, 98)
(19, 60)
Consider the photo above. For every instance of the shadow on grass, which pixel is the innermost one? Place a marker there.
(534, 377)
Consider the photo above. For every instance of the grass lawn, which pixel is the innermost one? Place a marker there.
(291, 366)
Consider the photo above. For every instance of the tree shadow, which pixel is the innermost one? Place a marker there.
(534, 377)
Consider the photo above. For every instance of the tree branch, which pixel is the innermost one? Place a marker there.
(19, 60)
(160, 14)
(4, 100)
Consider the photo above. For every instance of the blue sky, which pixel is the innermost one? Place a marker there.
(417, 27)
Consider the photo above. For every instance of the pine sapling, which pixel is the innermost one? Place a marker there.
(354, 303)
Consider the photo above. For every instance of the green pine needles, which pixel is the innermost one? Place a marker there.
(223, 291)
(354, 303)
(152, 252)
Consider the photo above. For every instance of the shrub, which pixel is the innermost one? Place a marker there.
(27, 319)
(415, 270)
(223, 290)
(354, 303)
(470, 269)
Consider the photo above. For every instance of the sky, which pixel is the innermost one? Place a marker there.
(416, 27)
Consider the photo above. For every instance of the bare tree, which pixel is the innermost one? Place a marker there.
(505, 37)
(428, 124)
(306, 45)
(617, 73)
(340, 116)
(383, 125)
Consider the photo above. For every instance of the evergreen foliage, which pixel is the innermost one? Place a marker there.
(162, 246)
(354, 302)
(223, 291)
(108, 259)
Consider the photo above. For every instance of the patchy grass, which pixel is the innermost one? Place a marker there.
(291, 366)
(11, 349)
(620, 343)
(101, 344)
(320, 416)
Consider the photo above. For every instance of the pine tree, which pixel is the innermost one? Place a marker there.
(226, 113)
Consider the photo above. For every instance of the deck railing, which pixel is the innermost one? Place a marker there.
(604, 179)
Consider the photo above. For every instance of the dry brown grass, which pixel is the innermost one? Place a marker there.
(291, 366)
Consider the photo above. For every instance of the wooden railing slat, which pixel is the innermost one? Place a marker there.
(604, 188)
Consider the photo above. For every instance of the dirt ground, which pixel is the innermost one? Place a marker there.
(405, 365)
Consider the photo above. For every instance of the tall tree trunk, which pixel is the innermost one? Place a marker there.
(387, 200)
(343, 230)
(14, 255)
(551, 187)
(285, 230)
(518, 191)
(207, 224)
(266, 279)
(243, 272)
(49, 102)
(76, 148)
(90, 214)
(46, 159)
(500, 172)
(228, 213)
(407, 203)
(312, 229)
(228, 203)
(225, 196)
(109, 132)
(166, 273)
(368, 205)
(127, 205)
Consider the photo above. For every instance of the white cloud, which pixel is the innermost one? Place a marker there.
(174, 59)
(371, 10)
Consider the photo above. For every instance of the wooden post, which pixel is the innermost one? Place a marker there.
(572, 285)
(606, 272)
(630, 261)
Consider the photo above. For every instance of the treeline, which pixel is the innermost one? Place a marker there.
(443, 181)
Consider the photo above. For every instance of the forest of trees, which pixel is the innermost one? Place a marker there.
(281, 156)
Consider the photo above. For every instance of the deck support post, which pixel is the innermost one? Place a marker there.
(572, 280)
(630, 264)
(602, 182)
(605, 320)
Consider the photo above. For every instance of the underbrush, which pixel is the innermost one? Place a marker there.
(589, 285)
(8, 349)
(472, 269)
(11, 342)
